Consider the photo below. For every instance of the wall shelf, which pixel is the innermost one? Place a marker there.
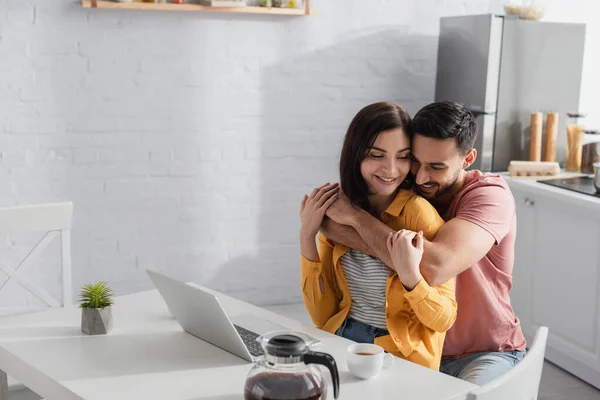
(197, 7)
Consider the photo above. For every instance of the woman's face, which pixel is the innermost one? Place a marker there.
(387, 163)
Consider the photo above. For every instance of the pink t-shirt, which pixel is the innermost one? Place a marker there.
(486, 320)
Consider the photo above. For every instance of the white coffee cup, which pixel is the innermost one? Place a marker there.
(366, 360)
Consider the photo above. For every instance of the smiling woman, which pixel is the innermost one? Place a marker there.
(375, 157)
(386, 167)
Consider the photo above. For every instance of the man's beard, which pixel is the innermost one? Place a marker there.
(442, 190)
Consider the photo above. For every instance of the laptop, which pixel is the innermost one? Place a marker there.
(200, 314)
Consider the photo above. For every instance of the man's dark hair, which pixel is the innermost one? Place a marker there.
(446, 120)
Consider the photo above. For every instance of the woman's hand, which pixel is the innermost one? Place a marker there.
(406, 252)
(313, 207)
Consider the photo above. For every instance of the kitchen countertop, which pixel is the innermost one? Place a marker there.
(572, 197)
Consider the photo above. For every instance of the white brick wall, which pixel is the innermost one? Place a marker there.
(186, 140)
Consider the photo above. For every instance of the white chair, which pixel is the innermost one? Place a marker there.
(523, 381)
(55, 220)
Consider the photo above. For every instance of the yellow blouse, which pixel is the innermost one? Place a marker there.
(417, 320)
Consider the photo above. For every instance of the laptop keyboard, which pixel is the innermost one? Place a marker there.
(249, 339)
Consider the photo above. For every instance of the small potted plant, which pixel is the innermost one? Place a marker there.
(95, 301)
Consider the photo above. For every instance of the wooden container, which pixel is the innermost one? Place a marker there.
(551, 135)
(535, 141)
(533, 168)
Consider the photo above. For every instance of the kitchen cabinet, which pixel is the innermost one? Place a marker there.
(556, 276)
(521, 292)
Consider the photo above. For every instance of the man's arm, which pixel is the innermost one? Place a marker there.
(345, 235)
(486, 217)
(374, 234)
(457, 246)
(353, 227)
(372, 240)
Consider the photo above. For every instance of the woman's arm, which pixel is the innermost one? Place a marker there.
(435, 306)
(317, 264)
(318, 284)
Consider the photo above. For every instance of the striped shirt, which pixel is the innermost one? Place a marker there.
(367, 279)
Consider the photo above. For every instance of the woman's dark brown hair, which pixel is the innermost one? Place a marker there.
(361, 134)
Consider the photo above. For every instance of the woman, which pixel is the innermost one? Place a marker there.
(354, 295)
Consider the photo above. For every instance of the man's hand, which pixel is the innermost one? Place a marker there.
(342, 211)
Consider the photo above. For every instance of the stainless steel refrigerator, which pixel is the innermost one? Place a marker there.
(503, 69)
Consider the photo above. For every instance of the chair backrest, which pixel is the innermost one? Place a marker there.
(54, 219)
(523, 381)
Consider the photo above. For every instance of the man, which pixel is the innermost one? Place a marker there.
(475, 245)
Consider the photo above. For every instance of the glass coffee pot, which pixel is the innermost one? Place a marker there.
(288, 370)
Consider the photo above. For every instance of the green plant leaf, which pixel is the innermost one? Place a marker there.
(96, 295)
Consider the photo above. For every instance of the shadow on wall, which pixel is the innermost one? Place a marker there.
(307, 105)
(131, 134)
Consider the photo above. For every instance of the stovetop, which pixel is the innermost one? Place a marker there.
(582, 184)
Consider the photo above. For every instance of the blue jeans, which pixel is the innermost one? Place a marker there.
(481, 368)
(359, 331)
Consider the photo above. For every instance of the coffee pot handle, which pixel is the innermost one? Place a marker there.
(315, 357)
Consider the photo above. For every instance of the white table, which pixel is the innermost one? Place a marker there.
(148, 356)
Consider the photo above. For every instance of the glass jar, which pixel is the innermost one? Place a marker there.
(575, 134)
(590, 151)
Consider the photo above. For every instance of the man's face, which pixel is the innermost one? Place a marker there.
(436, 165)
